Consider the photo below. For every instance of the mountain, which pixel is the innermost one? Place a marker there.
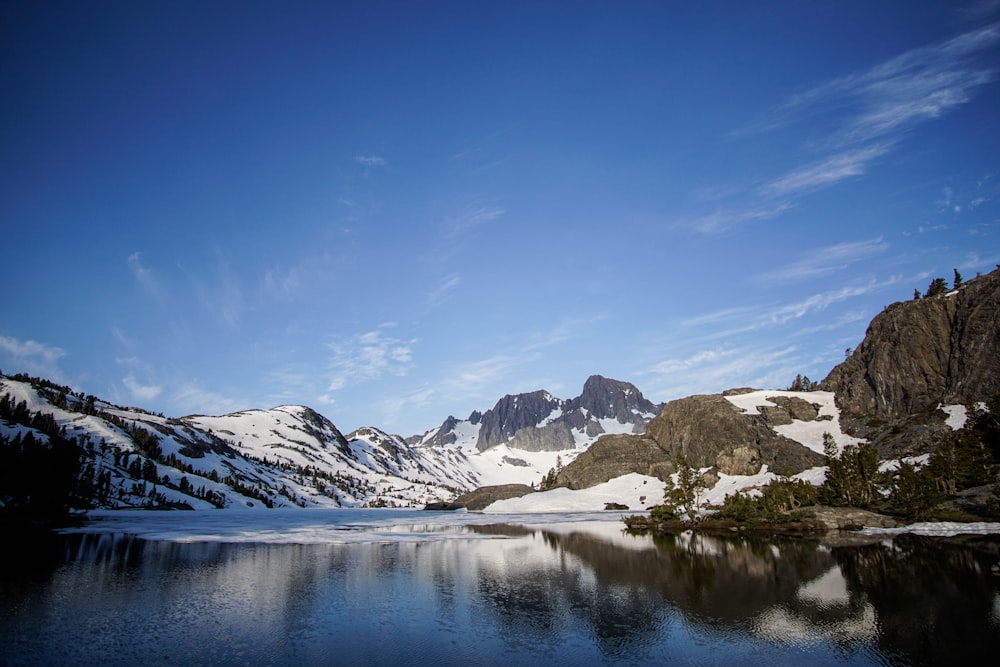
(538, 421)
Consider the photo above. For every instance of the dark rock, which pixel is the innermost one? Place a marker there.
(553, 437)
(849, 518)
(798, 409)
(604, 398)
(521, 463)
(708, 430)
(484, 496)
(445, 435)
(442, 507)
(615, 506)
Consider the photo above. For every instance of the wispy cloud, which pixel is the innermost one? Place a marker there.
(918, 85)
(221, 296)
(192, 399)
(753, 318)
(144, 275)
(473, 377)
(367, 356)
(826, 172)
(827, 260)
(724, 219)
(711, 370)
(370, 161)
(440, 294)
(471, 217)
(32, 357)
(862, 117)
(280, 282)
(139, 391)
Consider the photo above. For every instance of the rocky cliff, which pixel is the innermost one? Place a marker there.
(920, 354)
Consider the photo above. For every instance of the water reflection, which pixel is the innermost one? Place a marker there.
(553, 594)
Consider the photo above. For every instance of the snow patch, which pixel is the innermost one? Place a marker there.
(938, 529)
(957, 416)
(634, 490)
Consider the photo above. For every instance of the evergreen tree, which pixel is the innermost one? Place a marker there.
(684, 496)
(913, 492)
(958, 279)
(937, 286)
(852, 477)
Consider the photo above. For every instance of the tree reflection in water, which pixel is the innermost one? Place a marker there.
(920, 600)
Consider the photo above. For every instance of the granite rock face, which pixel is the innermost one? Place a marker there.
(919, 354)
(613, 456)
(513, 413)
(711, 432)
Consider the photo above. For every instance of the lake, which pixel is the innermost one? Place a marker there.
(403, 587)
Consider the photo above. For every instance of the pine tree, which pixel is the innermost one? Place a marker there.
(852, 477)
(683, 497)
(937, 286)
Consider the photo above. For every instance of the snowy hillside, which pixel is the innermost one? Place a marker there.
(287, 456)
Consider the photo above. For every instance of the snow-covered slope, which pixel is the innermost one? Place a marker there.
(808, 433)
(286, 456)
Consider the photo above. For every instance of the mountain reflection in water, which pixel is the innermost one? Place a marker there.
(553, 593)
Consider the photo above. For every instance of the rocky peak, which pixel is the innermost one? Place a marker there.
(321, 428)
(605, 398)
(445, 434)
(513, 413)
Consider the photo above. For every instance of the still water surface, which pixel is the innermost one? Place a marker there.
(355, 587)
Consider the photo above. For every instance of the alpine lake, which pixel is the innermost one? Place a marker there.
(407, 587)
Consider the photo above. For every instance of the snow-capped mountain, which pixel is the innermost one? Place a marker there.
(525, 435)
(538, 421)
(293, 456)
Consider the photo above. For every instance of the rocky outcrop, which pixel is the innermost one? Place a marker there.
(483, 497)
(613, 456)
(708, 430)
(919, 354)
(788, 409)
(553, 437)
(848, 518)
(711, 432)
(445, 434)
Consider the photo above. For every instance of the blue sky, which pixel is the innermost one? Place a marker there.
(393, 212)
